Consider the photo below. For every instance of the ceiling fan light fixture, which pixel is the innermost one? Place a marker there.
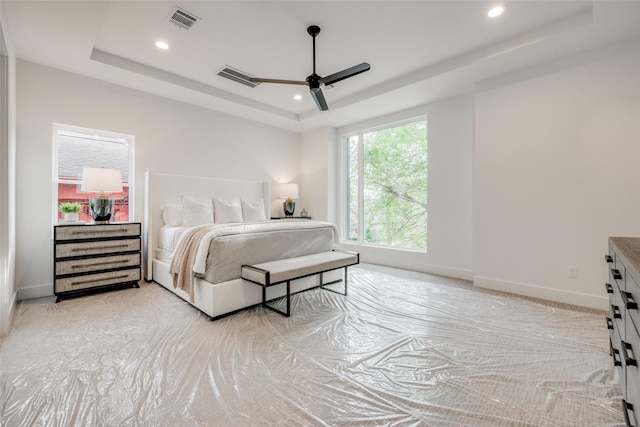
(495, 11)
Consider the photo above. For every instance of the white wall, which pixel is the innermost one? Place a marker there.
(317, 174)
(7, 175)
(556, 172)
(530, 176)
(450, 162)
(169, 136)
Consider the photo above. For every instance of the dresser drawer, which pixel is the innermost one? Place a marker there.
(630, 417)
(632, 392)
(76, 232)
(85, 265)
(79, 249)
(631, 299)
(88, 281)
(616, 276)
(616, 312)
(618, 362)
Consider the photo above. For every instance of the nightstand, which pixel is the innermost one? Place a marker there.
(290, 217)
(95, 257)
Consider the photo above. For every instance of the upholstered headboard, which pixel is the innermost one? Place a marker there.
(163, 188)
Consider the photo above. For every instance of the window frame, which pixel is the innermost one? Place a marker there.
(345, 177)
(103, 133)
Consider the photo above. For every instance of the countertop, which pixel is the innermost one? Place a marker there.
(629, 249)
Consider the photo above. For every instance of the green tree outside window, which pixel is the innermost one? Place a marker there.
(387, 170)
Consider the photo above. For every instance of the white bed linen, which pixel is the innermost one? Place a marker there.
(163, 255)
(220, 230)
(225, 248)
(168, 237)
(228, 253)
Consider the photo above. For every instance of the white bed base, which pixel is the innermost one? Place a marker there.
(220, 299)
(215, 300)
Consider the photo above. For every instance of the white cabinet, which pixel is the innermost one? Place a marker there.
(623, 320)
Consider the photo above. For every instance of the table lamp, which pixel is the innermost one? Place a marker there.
(101, 180)
(288, 192)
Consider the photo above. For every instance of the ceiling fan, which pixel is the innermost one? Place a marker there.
(314, 81)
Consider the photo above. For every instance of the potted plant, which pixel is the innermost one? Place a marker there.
(70, 210)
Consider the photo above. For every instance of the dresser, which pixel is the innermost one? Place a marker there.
(623, 321)
(95, 257)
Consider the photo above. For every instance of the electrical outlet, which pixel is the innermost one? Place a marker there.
(572, 272)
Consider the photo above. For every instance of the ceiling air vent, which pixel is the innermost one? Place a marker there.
(182, 18)
(238, 76)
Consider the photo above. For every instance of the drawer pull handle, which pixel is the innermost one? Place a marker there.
(114, 230)
(609, 323)
(616, 312)
(629, 301)
(102, 247)
(95, 264)
(608, 258)
(609, 288)
(616, 274)
(616, 355)
(628, 355)
(84, 282)
(628, 413)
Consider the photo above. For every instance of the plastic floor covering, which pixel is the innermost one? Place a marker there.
(402, 349)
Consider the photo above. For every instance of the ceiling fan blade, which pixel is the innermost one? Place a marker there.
(344, 74)
(284, 82)
(319, 98)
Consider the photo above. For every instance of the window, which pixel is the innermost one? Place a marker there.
(76, 148)
(386, 186)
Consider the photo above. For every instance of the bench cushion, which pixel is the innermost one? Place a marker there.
(273, 272)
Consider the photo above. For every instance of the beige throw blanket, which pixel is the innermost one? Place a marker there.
(181, 267)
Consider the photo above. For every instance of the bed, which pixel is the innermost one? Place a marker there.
(217, 289)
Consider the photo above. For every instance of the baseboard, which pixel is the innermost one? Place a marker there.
(12, 304)
(447, 271)
(556, 295)
(38, 291)
(437, 270)
(7, 321)
(406, 260)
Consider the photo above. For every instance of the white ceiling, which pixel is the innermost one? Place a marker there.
(419, 51)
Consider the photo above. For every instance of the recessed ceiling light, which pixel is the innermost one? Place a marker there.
(495, 11)
(162, 45)
(297, 97)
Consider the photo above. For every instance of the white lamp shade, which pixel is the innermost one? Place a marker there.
(288, 190)
(101, 179)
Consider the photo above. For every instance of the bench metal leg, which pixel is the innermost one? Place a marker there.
(264, 302)
(288, 296)
(322, 285)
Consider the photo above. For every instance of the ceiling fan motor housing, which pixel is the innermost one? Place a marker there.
(314, 82)
(313, 30)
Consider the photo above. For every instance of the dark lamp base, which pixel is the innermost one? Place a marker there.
(288, 208)
(101, 210)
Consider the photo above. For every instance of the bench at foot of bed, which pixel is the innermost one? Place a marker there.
(285, 270)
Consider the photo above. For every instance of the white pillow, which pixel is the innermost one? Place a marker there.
(172, 214)
(195, 212)
(227, 212)
(253, 211)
